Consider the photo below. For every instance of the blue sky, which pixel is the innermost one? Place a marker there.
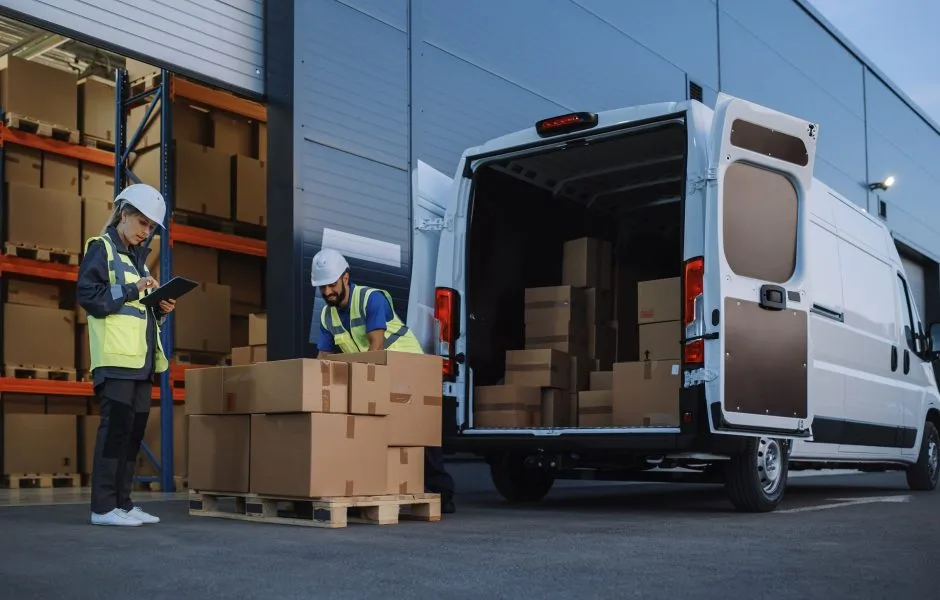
(899, 37)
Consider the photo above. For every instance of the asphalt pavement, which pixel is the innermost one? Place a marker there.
(843, 536)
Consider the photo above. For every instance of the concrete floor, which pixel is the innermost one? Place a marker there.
(588, 541)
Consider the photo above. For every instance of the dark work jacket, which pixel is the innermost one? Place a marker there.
(94, 295)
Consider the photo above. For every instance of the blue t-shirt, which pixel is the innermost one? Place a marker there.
(378, 314)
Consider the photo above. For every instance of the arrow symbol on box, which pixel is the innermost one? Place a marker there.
(842, 502)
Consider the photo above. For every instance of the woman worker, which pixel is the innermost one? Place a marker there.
(125, 347)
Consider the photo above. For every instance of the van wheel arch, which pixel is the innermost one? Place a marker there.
(923, 475)
(756, 477)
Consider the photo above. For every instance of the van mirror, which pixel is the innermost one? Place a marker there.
(933, 341)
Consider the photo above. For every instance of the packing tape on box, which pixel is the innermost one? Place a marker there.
(325, 401)
(505, 406)
(350, 427)
(231, 399)
(403, 456)
(403, 487)
(325, 373)
(400, 398)
(349, 488)
(532, 367)
(340, 372)
(647, 370)
(433, 400)
(370, 373)
(371, 408)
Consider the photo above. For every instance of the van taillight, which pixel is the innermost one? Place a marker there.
(447, 315)
(693, 317)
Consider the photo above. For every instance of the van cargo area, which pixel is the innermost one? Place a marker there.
(575, 255)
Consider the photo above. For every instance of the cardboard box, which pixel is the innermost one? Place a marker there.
(661, 341)
(62, 233)
(556, 408)
(312, 455)
(219, 453)
(35, 336)
(405, 470)
(60, 173)
(507, 406)
(96, 114)
(32, 90)
(538, 368)
(66, 405)
(22, 164)
(190, 124)
(239, 325)
(595, 408)
(263, 141)
(250, 187)
(40, 444)
(257, 329)
(586, 263)
(659, 300)
(202, 319)
(232, 134)
(569, 337)
(152, 437)
(197, 263)
(602, 380)
(249, 355)
(203, 180)
(370, 389)
(580, 370)
(204, 391)
(33, 293)
(557, 303)
(646, 393)
(98, 181)
(414, 416)
(602, 344)
(245, 275)
(95, 214)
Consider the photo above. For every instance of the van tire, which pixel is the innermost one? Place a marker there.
(517, 483)
(756, 478)
(923, 476)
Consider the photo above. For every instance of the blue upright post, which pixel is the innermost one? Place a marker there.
(166, 266)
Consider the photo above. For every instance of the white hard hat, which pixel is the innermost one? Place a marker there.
(328, 266)
(145, 198)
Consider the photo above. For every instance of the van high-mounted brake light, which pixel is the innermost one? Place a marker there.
(566, 123)
(692, 310)
(447, 317)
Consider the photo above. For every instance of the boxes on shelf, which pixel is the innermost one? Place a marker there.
(60, 173)
(61, 234)
(47, 294)
(202, 320)
(95, 214)
(39, 93)
(249, 188)
(232, 133)
(22, 164)
(38, 337)
(96, 109)
(39, 444)
(97, 181)
(311, 428)
(190, 124)
(245, 275)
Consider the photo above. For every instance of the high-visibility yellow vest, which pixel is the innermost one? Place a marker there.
(120, 339)
(397, 335)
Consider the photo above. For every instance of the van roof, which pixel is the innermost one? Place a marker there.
(605, 118)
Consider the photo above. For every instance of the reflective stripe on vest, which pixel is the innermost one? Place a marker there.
(398, 336)
(120, 339)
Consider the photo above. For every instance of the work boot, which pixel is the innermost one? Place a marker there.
(447, 504)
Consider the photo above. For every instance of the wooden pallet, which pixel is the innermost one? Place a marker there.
(328, 513)
(145, 82)
(39, 127)
(36, 372)
(249, 230)
(15, 481)
(54, 255)
(97, 143)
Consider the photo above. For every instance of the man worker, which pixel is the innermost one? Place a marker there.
(375, 327)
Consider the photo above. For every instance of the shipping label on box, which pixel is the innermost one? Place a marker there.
(507, 406)
(537, 368)
(659, 300)
(405, 468)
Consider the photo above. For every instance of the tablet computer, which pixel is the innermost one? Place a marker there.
(171, 290)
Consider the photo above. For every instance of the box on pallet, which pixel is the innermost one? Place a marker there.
(39, 93)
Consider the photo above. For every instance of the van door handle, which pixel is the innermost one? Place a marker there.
(907, 362)
(894, 358)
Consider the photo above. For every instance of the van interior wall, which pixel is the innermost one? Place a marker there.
(516, 241)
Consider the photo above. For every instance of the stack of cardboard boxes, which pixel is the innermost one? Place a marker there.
(305, 428)
(566, 376)
(257, 349)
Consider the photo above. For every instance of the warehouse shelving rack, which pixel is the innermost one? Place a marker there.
(161, 95)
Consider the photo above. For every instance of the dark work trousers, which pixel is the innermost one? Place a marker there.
(436, 479)
(125, 406)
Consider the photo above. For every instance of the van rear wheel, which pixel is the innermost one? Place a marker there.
(517, 483)
(923, 476)
(757, 477)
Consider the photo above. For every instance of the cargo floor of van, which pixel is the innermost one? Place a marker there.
(627, 191)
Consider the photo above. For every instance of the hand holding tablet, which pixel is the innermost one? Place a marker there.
(171, 290)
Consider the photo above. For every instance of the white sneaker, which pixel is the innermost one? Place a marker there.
(139, 514)
(115, 517)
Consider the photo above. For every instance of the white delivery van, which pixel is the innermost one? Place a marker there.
(800, 344)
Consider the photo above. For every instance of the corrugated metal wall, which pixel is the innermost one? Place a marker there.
(219, 39)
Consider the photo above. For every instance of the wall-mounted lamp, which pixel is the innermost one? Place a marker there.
(882, 185)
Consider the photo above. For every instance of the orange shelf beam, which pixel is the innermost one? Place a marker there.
(184, 88)
(220, 241)
(15, 136)
(49, 387)
(38, 268)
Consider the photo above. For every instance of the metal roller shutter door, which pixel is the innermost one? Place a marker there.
(915, 281)
(219, 40)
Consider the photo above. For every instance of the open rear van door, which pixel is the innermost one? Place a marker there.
(429, 197)
(762, 162)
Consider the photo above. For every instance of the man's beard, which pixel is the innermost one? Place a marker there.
(338, 300)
